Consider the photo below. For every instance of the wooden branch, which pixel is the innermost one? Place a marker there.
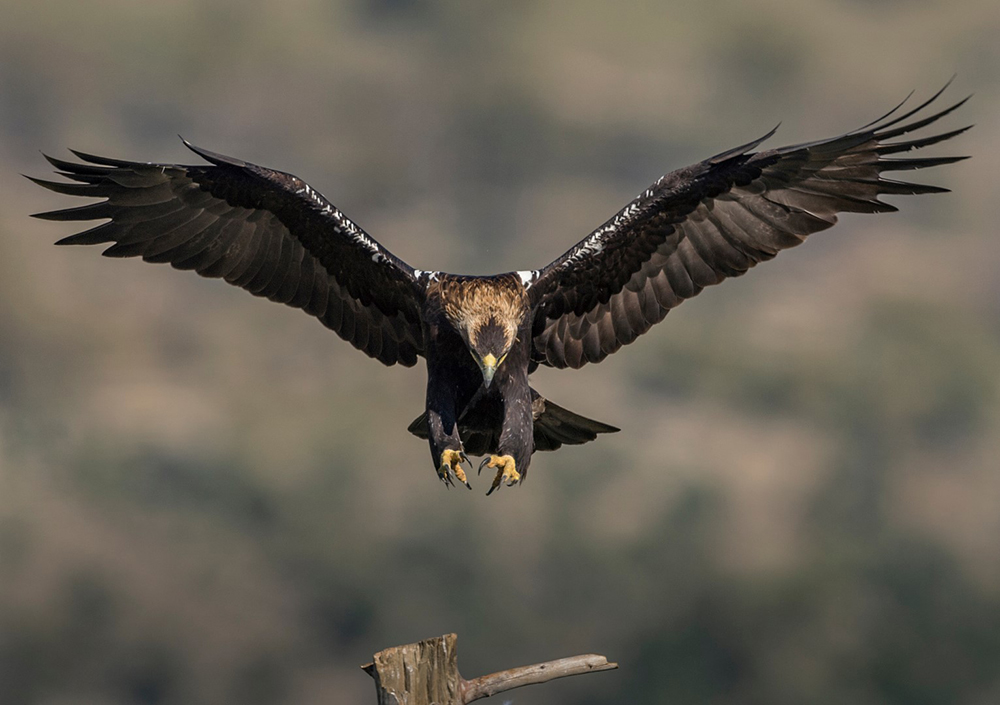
(485, 686)
(426, 673)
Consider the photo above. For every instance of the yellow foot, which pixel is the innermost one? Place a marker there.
(506, 473)
(451, 466)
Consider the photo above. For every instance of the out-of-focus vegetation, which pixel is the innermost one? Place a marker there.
(208, 499)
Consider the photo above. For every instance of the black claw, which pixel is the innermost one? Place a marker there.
(468, 485)
(497, 484)
(481, 466)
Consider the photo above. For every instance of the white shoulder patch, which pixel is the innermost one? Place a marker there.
(528, 277)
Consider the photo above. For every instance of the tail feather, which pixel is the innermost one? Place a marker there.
(419, 427)
(554, 427)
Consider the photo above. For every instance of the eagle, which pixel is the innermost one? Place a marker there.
(481, 337)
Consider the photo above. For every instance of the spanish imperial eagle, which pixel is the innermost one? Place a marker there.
(272, 234)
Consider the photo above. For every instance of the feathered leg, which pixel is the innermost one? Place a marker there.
(517, 433)
(443, 388)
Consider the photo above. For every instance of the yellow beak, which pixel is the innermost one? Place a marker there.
(489, 367)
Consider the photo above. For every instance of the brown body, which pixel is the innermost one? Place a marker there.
(478, 333)
(478, 350)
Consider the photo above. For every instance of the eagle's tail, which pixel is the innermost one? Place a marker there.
(554, 426)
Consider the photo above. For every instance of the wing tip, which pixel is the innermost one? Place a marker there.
(880, 127)
(49, 215)
(75, 170)
(99, 160)
(68, 188)
(213, 157)
(743, 148)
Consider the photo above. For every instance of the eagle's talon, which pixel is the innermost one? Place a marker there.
(460, 472)
(506, 473)
(451, 467)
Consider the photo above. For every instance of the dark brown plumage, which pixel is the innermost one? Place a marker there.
(272, 234)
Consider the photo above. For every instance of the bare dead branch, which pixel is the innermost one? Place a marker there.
(427, 672)
(494, 683)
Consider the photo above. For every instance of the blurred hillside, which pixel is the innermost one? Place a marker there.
(207, 499)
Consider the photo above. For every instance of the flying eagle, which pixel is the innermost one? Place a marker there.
(272, 234)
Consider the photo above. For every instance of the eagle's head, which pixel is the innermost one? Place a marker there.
(489, 341)
(487, 313)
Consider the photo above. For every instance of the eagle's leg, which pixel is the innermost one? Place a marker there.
(442, 425)
(446, 448)
(517, 434)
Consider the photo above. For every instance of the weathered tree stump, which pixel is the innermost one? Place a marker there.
(426, 673)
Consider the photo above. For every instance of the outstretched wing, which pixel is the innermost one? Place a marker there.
(698, 225)
(265, 231)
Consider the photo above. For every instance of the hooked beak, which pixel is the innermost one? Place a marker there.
(489, 367)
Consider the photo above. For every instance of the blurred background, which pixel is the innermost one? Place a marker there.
(209, 499)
